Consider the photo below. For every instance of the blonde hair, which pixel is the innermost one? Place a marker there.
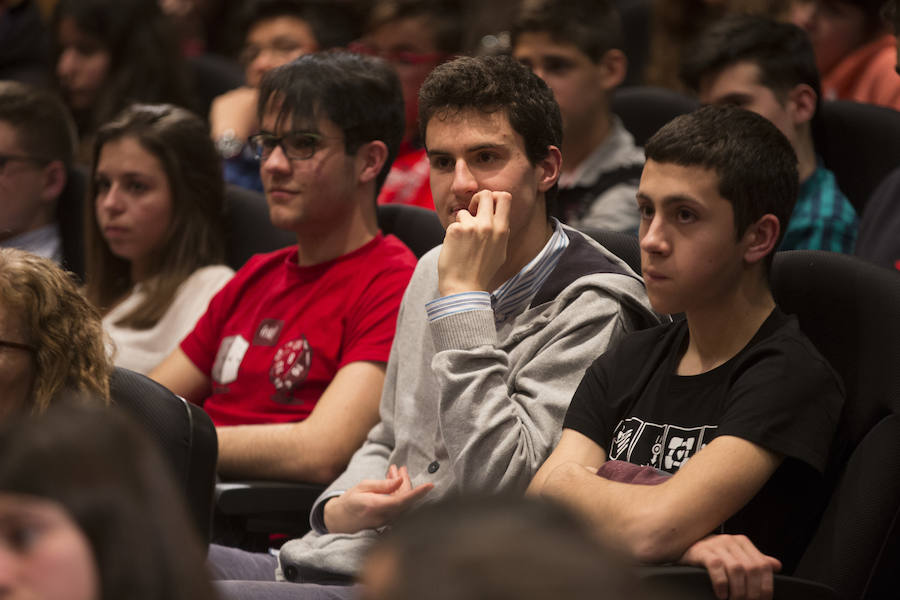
(60, 324)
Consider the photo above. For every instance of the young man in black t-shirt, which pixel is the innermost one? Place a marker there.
(733, 402)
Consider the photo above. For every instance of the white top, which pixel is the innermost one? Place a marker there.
(142, 350)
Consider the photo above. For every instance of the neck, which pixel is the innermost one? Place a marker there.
(806, 155)
(580, 140)
(317, 243)
(719, 332)
(522, 250)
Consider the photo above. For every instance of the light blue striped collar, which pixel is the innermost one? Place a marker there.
(515, 294)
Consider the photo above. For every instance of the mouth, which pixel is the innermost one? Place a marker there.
(280, 194)
(114, 231)
(652, 275)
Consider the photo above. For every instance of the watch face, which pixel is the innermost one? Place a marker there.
(229, 145)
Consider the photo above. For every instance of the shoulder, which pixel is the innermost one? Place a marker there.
(589, 274)
(392, 251)
(210, 275)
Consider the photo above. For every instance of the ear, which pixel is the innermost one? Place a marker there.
(802, 103)
(370, 158)
(760, 238)
(613, 68)
(548, 169)
(55, 178)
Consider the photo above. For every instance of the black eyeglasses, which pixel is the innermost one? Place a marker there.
(17, 346)
(296, 145)
(6, 158)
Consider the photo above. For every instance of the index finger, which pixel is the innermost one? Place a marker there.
(502, 203)
(482, 205)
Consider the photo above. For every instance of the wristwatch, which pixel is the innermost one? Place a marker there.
(229, 145)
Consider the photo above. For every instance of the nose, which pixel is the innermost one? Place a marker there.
(67, 64)
(277, 162)
(111, 201)
(653, 238)
(464, 184)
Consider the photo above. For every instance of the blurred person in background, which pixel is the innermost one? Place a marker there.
(675, 24)
(855, 51)
(414, 36)
(88, 511)
(575, 46)
(37, 145)
(51, 340)
(497, 547)
(111, 53)
(153, 233)
(276, 32)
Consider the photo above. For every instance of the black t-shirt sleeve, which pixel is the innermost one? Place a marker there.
(785, 398)
(589, 412)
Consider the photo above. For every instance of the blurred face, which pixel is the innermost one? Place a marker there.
(275, 42)
(43, 553)
(576, 81)
(83, 65)
(690, 255)
(739, 85)
(133, 202)
(312, 191)
(473, 151)
(835, 30)
(24, 203)
(16, 363)
(409, 45)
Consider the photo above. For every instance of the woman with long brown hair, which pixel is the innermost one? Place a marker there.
(154, 240)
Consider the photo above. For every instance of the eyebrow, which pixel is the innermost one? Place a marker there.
(669, 199)
(733, 98)
(469, 150)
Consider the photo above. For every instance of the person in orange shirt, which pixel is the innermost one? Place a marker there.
(855, 51)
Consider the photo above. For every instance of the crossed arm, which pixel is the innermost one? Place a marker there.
(670, 521)
(315, 450)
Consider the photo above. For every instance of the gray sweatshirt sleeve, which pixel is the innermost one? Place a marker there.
(501, 413)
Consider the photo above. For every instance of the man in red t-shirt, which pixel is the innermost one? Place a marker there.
(289, 358)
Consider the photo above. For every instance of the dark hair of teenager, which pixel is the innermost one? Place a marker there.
(359, 94)
(781, 51)
(331, 23)
(494, 84)
(499, 548)
(592, 26)
(755, 163)
(145, 61)
(114, 485)
(43, 126)
(180, 141)
(444, 17)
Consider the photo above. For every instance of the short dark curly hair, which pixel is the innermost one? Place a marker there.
(493, 84)
(755, 163)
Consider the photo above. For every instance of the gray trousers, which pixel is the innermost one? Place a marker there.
(241, 575)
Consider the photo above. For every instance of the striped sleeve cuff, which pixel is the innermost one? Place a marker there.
(457, 303)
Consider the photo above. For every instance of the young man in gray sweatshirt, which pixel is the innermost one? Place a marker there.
(495, 330)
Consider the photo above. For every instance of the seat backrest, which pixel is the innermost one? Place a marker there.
(70, 216)
(851, 312)
(644, 109)
(623, 245)
(248, 230)
(185, 435)
(860, 143)
(417, 227)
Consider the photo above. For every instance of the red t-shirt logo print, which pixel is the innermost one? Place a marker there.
(289, 368)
